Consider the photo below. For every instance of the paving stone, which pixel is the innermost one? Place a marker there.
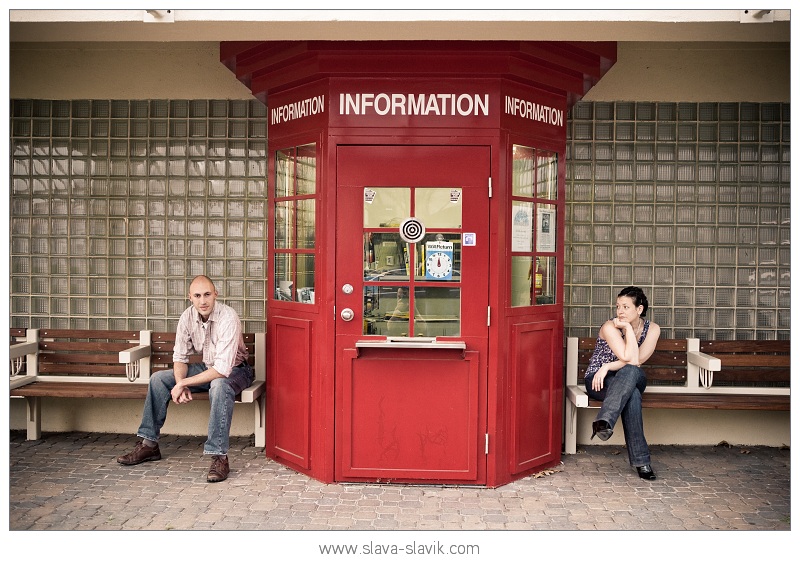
(70, 481)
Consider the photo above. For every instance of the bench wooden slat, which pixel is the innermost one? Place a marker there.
(120, 335)
(123, 391)
(710, 401)
(666, 366)
(738, 360)
(53, 369)
(108, 347)
(757, 346)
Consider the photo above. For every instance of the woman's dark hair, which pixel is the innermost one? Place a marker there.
(637, 295)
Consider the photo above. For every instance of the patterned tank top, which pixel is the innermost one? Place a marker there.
(603, 354)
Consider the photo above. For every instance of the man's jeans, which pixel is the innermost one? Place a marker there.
(622, 395)
(221, 392)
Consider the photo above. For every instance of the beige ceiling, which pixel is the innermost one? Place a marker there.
(244, 25)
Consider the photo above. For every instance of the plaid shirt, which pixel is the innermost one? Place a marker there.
(221, 342)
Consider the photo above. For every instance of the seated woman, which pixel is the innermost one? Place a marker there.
(615, 376)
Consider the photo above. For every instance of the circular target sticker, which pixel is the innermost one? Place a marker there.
(412, 230)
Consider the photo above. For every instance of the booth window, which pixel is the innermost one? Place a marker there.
(533, 226)
(295, 223)
(412, 289)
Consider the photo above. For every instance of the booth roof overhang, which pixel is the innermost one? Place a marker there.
(565, 68)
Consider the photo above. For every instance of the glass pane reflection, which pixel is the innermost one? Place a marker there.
(386, 310)
(386, 207)
(385, 257)
(437, 311)
(439, 207)
(533, 283)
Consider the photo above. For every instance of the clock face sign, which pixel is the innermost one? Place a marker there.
(439, 265)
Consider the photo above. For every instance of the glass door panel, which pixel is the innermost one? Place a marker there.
(429, 270)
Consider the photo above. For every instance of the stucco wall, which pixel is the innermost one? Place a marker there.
(677, 72)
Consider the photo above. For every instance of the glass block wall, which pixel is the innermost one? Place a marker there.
(690, 201)
(116, 204)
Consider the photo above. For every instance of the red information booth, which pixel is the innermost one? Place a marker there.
(416, 197)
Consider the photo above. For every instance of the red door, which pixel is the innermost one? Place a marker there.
(411, 289)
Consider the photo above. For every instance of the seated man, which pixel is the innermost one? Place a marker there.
(213, 329)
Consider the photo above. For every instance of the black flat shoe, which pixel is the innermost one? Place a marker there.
(646, 472)
(601, 429)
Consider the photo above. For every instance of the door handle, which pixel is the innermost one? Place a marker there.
(347, 314)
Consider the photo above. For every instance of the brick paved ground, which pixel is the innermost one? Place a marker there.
(70, 482)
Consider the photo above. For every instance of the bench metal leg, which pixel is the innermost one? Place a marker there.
(571, 428)
(259, 409)
(34, 417)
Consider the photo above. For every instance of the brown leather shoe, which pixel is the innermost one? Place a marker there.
(219, 469)
(140, 454)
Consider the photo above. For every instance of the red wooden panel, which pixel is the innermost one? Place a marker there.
(410, 414)
(533, 350)
(289, 390)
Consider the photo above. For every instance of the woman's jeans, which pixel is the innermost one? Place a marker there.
(221, 392)
(622, 394)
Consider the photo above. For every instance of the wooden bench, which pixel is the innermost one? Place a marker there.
(64, 363)
(689, 374)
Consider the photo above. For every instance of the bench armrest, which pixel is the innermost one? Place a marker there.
(577, 396)
(18, 353)
(706, 365)
(21, 349)
(134, 354)
(704, 361)
(131, 358)
(254, 391)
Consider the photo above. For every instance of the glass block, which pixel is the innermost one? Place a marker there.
(581, 274)
(704, 317)
(600, 315)
(137, 287)
(684, 275)
(704, 297)
(707, 132)
(623, 192)
(255, 269)
(766, 236)
(603, 152)
(745, 318)
(770, 133)
(625, 132)
(255, 248)
(645, 172)
(78, 306)
(769, 173)
(582, 131)
(726, 276)
(20, 305)
(602, 212)
(704, 275)
(215, 268)
(622, 275)
(767, 256)
(665, 234)
(723, 318)
(729, 132)
(767, 277)
(215, 248)
(137, 307)
(687, 111)
(684, 317)
(645, 132)
(663, 317)
(725, 297)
